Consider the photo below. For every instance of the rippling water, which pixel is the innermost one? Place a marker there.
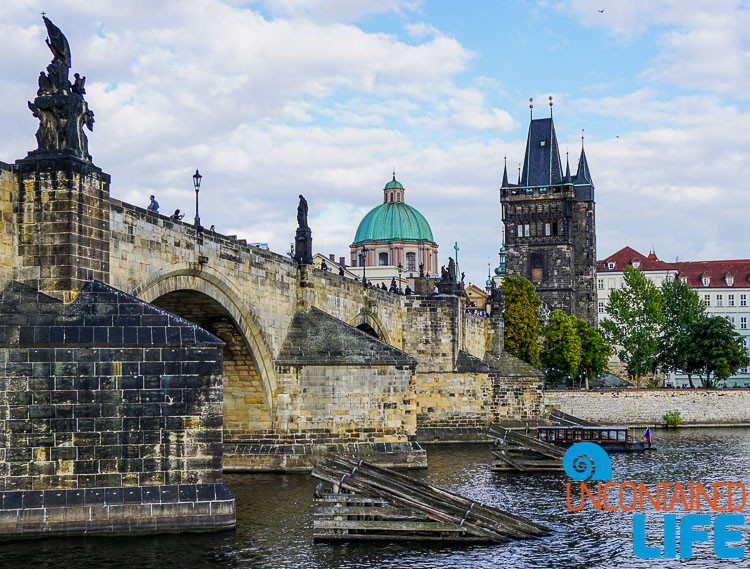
(274, 519)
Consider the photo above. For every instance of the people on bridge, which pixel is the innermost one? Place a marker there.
(212, 228)
(341, 271)
(323, 266)
(177, 216)
(154, 205)
(407, 290)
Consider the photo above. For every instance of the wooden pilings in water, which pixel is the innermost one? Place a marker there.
(516, 452)
(557, 417)
(357, 500)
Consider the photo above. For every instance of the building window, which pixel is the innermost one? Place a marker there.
(601, 308)
(610, 283)
(743, 322)
(743, 300)
(601, 284)
(730, 300)
(719, 300)
(611, 265)
(730, 280)
(547, 229)
(684, 280)
(731, 320)
(636, 264)
(520, 230)
(554, 228)
(526, 230)
(707, 299)
(383, 259)
(411, 261)
(706, 281)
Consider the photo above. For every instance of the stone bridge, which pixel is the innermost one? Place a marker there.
(297, 372)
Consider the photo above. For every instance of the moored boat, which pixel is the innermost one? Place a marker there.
(611, 438)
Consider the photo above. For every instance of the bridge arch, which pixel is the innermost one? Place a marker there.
(203, 296)
(369, 322)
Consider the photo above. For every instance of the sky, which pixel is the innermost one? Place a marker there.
(274, 98)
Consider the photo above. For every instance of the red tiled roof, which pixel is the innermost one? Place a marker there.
(626, 256)
(477, 289)
(717, 271)
(694, 271)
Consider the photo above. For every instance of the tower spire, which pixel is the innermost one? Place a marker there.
(531, 107)
(567, 166)
(550, 106)
(505, 174)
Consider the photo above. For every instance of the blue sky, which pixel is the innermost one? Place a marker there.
(324, 97)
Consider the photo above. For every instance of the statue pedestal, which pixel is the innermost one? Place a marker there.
(449, 288)
(303, 246)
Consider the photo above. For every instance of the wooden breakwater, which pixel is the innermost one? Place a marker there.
(516, 452)
(357, 500)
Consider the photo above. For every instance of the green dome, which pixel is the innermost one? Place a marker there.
(393, 222)
(394, 185)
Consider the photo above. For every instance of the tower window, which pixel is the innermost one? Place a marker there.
(554, 228)
(547, 229)
(520, 230)
(526, 230)
(391, 197)
(383, 259)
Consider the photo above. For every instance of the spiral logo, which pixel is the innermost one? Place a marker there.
(584, 461)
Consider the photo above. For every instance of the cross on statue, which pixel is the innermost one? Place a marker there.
(456, 248)
(44, 14)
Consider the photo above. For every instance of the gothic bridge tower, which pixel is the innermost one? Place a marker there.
(550, 227)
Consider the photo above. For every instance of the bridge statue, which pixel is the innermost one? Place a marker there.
(59, 105)
(303, 237)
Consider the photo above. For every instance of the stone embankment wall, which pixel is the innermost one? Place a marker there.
(644, 407)
(8, 233)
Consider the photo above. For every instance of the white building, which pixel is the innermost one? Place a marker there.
(723, 285)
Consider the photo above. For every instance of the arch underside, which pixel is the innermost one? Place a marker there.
(246, 406)
(214, 304)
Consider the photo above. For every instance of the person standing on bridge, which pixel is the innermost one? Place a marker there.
(154, 205)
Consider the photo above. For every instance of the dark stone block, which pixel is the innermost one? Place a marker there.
(206, 492)
(114, 496)
(11, 500)
(95, 495)
(187, 493)
(33, 499)
(150, 494)
(168, 494)
(54, 498)
(75, 497)
(223, 493)
(132, 495)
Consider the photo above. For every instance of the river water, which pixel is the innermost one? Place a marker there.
(274, 519)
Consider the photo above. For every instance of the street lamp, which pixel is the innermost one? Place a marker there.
(363, 264)
(400, 268)
(197, 185)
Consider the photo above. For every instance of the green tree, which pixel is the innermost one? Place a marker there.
(521, 316)
(595, 352)
(633, 323)
(682, 309)
(716, 349)
(561, 353)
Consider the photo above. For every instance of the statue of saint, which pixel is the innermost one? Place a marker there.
(302, 212)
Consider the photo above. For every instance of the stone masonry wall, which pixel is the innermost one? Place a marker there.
(63, 224)
(110, 417)
(454, 400)
(345, 404)
(644, 407)
(477, 334)
(433, 324)
(8, 231)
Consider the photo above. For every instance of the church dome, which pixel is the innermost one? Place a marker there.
(393, 220)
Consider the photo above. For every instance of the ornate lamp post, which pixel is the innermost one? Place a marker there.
(363, 264)
(400, 268)
(197, 185)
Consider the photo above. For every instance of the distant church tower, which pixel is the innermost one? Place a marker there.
(550, 230)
